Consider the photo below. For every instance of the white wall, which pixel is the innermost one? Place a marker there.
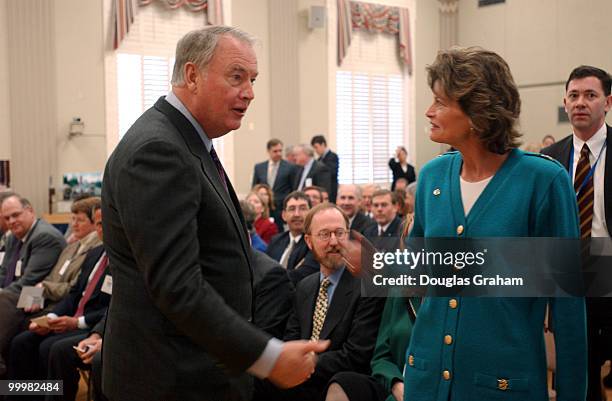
(542, 42)
(5, 106)
(80, 86)
(249, 141)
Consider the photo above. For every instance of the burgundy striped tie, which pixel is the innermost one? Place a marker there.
(584, 182)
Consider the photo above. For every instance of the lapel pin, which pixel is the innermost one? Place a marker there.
(436, 192)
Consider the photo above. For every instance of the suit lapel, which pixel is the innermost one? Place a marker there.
(564, 156)
(339, 304)
(309, 300)
(197, 148)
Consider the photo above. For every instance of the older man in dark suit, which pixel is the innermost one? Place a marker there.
(178, 326)
(349, 200)
(328, 305)
(31, 252)
(312, 172)
(587, 157)
(279, 174)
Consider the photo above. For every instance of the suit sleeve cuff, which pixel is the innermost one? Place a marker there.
(263, 366)
(81, 324)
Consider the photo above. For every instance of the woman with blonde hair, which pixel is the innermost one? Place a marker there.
(265, 228)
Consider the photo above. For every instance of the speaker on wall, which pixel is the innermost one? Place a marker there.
(316, 17)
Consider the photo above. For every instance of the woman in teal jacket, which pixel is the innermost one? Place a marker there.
(471, 349)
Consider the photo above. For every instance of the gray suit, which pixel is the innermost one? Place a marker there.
(38, 255)
(180, 260)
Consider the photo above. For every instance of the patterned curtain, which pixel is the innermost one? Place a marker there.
(123, 13)
(374, 18)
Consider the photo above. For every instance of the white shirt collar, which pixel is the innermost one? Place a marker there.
(595, 143)
(177, 104)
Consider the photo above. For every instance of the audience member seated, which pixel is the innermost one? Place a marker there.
(64, 361)
(384, 206)
(31, 252)
(325, 195)
(328, 305)
(367, 191)
(275, 206)
(73, 317)
(249, 218)
(289, 247)
(4, 229)
(265, 228)
(315, 194)
(401, 184)
(273, 294)
(350, 200)
(386, 383)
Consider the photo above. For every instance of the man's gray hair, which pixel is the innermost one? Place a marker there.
(306, 148)
(357, 188)
(199, 46)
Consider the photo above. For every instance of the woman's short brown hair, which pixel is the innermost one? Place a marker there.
(481, 82)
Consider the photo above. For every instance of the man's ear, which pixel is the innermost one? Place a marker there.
(308, 239)
(565, 103)
(191, 74)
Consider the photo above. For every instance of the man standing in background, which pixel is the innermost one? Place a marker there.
(586, 156)
(279, 174)
(330, 159)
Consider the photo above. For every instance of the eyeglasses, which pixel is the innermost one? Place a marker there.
(325, 235)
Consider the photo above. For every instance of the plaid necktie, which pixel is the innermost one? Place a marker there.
(220, 169)
(585, 196)
(320, 310)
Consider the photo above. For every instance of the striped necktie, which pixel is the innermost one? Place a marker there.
(585, 196)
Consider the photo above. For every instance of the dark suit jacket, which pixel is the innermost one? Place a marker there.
(38, 255)
(397, 171)
(351, 324)
(320, 175)
(330, 159)
(180, 259)
(273, 294)
(95, 308)
(286, 179)
(393, 230)
(361, 222)
(279, 243)
(561, 152)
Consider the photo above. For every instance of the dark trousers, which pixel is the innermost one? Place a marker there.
(29, 358)
(63, 364)
(599, 335)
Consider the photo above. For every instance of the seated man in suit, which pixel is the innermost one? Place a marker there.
(4, 228)
(384, 207)
(313, 172)
(315, 194)
(330, 159)
(74, 316)
(31, 252)
(367, 192)
(273, 294)
(328, 306)
(63, 275)
(289, 247)
(279, 174)
(64, 361)
(349, 200)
